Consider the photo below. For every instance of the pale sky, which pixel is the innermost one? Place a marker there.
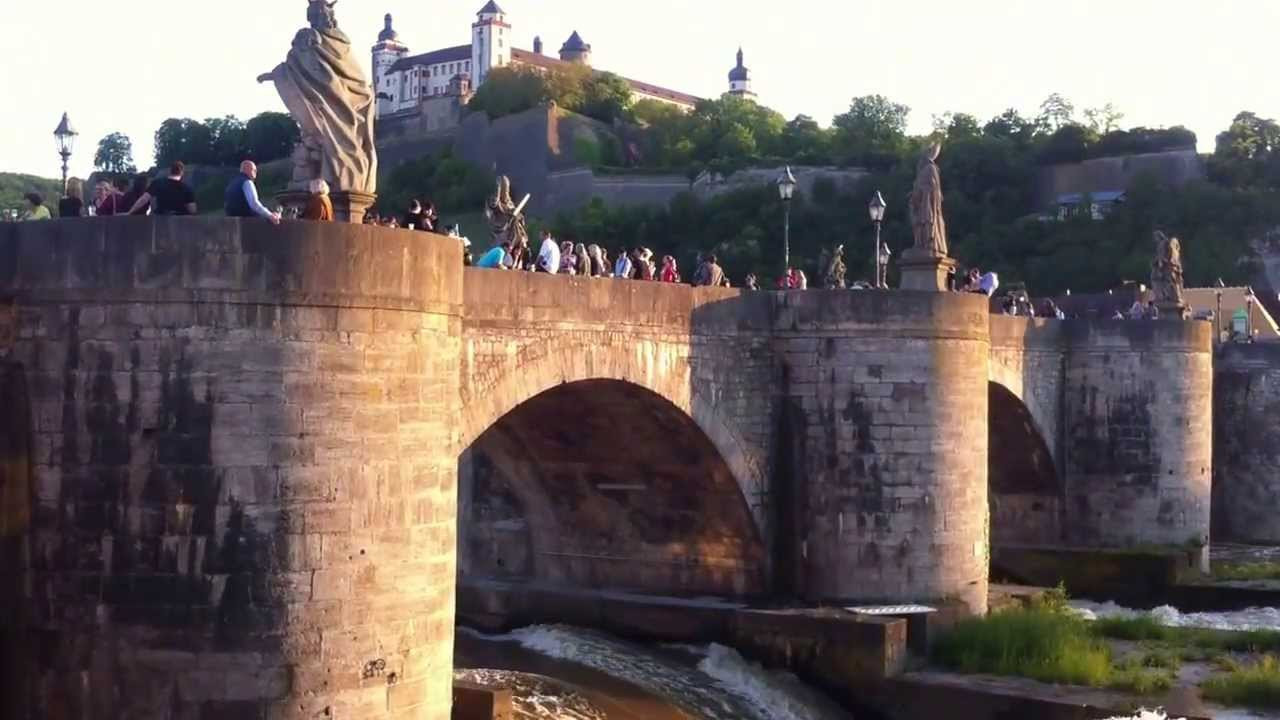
(128, 65)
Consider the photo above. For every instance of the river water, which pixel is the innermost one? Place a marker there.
(558, 672)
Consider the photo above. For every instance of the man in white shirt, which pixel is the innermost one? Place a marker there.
(548, 254)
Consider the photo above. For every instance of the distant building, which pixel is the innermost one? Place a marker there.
(404, 82)
(1098, 205)
(1102, 176)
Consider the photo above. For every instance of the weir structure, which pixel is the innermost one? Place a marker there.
(244, 466)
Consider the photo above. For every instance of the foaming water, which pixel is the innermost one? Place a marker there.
(1258, 618)
(703, 682)
(535, 697)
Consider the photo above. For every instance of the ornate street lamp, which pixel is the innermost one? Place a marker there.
(66, 137)
(876, 210)
(786, 188)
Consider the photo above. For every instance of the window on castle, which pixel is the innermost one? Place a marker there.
(499, 43)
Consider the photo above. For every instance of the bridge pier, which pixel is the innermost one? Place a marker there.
(885, 403)
(239, 474)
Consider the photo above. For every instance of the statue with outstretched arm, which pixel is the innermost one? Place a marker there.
(325, 90)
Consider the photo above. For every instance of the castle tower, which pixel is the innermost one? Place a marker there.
(386, 84)
(740, 80)
(490, 41)
(575, 50)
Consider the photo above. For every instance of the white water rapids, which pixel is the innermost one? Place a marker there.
(705, 682)
(1251, 619)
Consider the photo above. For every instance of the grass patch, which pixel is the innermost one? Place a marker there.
(1247, 571)
(1141, 681)
(1037, 643)
(1256, 685)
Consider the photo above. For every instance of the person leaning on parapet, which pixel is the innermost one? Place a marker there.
(319, 206)
(548, 254)
(168, 195)
(130, 198)
(106, 201)
(72, 204)
(241, 199)
(37, 211)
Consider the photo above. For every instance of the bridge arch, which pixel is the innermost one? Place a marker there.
(1026, 491)
(605, 484)
(662, 368)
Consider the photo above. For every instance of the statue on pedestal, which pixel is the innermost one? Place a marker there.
(927, 224)
(324, 87)
(506, 220)
(925, 265)
(1166, 277)
(834, 269)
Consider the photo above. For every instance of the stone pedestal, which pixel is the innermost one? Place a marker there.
(924, 271)
(295, 200)
(1173, 311)
(350, 206)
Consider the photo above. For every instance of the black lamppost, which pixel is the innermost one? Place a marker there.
(1248, 318)
(66, 137)
(786, 188)
(1217, 314)
(876, 210)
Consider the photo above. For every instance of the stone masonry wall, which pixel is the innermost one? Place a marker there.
(1246, 452)
(242, 470)
(886, 414)
(1138, 433)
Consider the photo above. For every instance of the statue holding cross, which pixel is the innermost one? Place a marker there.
(506, 221)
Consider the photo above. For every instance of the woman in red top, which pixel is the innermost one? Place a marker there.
(669, 273)
(106, 201)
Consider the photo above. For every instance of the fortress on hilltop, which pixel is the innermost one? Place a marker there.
(405, 83)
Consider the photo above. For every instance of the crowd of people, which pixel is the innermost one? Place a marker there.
(579, 259)
(171, 195)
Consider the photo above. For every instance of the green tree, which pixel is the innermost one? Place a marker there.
(182, 139)
(509, 90)
(605, 97)
(1104, 119)
(228, 140)
(1010, 124)
(115, 155)
(805, 141)
(269, 136)
(873, 129)
(1247, 154)
(1055, 112)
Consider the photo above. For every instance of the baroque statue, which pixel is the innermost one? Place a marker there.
(834, 269)
(927, 224)
(1166, 275)
(506, 221)
(325, 90)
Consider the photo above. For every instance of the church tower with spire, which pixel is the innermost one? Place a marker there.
(740, 80)
(386, 84)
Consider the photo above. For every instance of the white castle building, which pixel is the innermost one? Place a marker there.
(404, 82)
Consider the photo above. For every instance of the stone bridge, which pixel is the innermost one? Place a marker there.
(244, 466)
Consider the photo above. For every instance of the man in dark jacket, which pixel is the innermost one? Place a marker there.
(241, 198)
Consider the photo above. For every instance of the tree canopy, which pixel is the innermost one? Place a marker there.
(226, 141)
(115, 155)
(509, 90)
